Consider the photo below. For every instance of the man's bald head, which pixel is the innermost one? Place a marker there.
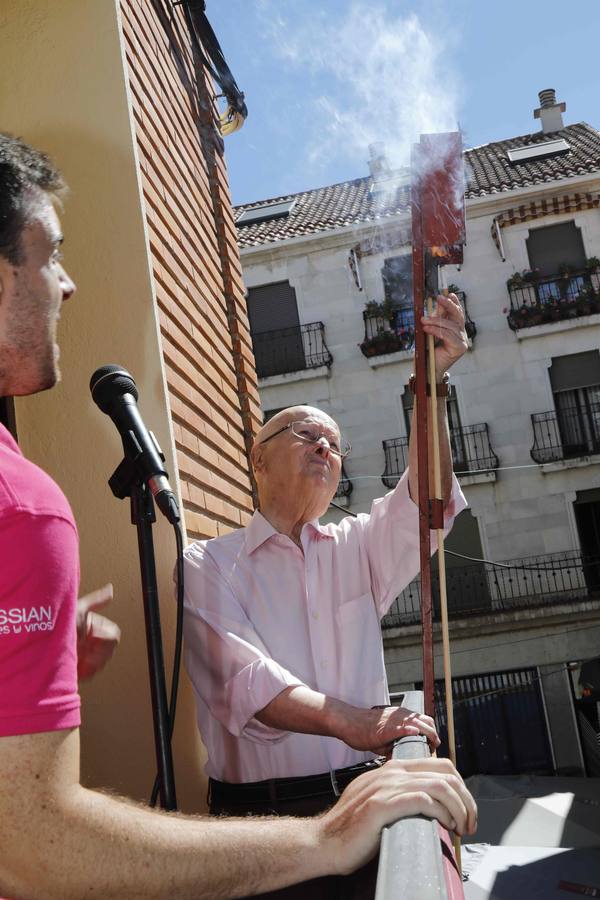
(293, 414)
(296, 477)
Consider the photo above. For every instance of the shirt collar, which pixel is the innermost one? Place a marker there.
(260, 530)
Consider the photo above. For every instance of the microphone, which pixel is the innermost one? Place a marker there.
(115, 392)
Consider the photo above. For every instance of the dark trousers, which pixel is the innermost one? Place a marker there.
(360, 885)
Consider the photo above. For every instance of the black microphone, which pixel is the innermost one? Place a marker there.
(115, 393)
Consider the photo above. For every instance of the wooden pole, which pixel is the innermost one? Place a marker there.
(420, 418)
(437, 487)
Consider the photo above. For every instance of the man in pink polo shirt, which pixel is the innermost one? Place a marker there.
(59, 841)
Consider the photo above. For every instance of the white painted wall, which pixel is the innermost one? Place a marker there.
(501, 380)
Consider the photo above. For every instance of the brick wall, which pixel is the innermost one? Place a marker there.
(197, 272)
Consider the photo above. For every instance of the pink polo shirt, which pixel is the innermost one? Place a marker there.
(39, 579)
(261, 615)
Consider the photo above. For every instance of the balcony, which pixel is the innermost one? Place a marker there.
(567, 434)
(483, 589)
(293, 349)
(567, 295)
(471, 453)
(389, 329)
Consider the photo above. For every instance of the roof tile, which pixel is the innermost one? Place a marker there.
(489, 171)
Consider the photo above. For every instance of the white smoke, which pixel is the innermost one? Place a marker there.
(389, 77)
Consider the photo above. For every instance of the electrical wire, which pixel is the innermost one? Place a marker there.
(547, 567)
(461, 473)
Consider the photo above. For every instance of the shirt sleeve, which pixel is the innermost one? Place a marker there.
(392, 540)
(228, 664)
(39, 580)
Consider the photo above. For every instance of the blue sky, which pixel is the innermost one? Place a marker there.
(323, 79)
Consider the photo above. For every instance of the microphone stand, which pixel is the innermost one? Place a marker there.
(126, 482)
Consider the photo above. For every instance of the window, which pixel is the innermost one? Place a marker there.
(538, 151)
(397, 281)
(266, 211)
(575, 381)
(557, 250)
(275, 329)
(554, 246)
(587, 517)
(460, 456)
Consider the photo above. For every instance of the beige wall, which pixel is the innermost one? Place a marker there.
(64, 90)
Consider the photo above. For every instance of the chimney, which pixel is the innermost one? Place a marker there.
(379, 167)
(550, 112)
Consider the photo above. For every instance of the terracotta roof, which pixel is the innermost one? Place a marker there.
(323, 209)
(489, 171)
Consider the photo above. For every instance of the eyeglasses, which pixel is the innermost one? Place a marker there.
(312, 434)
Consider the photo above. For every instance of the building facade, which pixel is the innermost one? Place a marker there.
(114, 93)
(328, 274)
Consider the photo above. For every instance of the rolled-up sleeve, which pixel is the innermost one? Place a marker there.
(226, 660)
(392, 539)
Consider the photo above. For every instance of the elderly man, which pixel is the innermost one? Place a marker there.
(60, 841)
(282, 617)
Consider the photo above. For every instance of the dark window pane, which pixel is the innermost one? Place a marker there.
(549, 248)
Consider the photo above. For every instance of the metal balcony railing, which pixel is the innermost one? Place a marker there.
(388, 331)
(345, 487)
(396, 460)
(482, 588)
(536, 301)
(470, 326)
(291, 349)
(471, 453)
(566, 434)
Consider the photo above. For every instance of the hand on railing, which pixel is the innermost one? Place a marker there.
(376, 729)
(400, 788)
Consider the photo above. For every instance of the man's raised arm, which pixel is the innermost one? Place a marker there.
(447, 325)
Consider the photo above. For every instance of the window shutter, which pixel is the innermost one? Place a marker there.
(554, 245)
(397, 280)
(272, 306)
(577, 370)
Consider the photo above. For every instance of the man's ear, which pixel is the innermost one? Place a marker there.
(257, 458)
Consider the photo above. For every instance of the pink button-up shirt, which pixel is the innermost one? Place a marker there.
(261, 615)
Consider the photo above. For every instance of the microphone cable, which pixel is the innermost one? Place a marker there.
(177, 650)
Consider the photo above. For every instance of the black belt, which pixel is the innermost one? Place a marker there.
(223, 793)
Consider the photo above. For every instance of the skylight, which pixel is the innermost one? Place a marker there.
(266, 211)
(538, 151)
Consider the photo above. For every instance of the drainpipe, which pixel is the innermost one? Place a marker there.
(498, 230)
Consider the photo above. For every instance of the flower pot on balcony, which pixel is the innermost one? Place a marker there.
(515, 280)
(368, 348)
(583, 307)
(391, 343)
(519, 318)
(570, 310)
(565, 270)
(555, 312)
